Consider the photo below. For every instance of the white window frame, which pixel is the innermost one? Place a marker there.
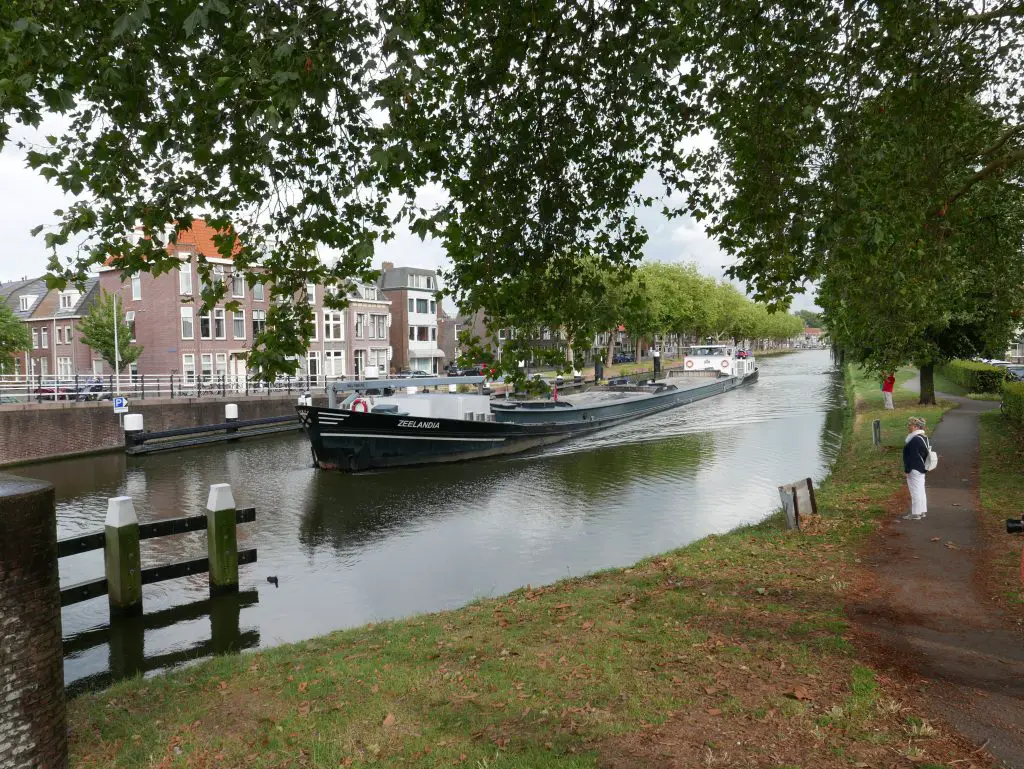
(25, 302)
(258, 316)
(185, 279)
(67, 334)
(129, 318)
(332, 367)
(433, 333)
(136, 288)
(238, 282)
(65, 301)
(219, 314)
(433, 307)
(220, 365)
(313, 355)
(426, 305)
(44, 366)
(35, 339)
(206, 364)
(208, 317)
(360, 331)
(311, 293)
(187, 317)
(236, 316)
(65, 367)
(188, 367)
(257, 292)
(334, 326)
(58, 337)
(412, 305)
(44, 338)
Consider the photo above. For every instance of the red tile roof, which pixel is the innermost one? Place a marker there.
(200, 237)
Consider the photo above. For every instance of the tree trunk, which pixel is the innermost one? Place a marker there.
(611, 349)
(927, 385)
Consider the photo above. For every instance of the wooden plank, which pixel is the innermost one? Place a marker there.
(83, 591)
(172, 526)
(188, 568)
(81, 544)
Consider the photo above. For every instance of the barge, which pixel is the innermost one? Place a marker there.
(383, 423)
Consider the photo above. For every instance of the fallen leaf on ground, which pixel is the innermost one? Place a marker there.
(952, 545)
(798, 693)
(389, 719)
(936, 539)
(714, 712)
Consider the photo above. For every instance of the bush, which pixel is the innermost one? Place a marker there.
(975, 377)
(1013, 402)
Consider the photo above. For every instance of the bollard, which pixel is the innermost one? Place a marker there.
(222, 539)
(33, 723)
(231, 415)
(122, 562)
(133, 432)
(656, 356)
(876, 432)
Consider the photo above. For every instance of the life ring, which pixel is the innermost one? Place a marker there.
(725, 364)
(359, 402)
(689, 364)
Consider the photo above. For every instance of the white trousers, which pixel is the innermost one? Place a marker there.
(888, 400)
(918, 500)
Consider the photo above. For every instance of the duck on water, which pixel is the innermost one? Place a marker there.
(382, 423)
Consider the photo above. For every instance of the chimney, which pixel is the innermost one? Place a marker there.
(387, 266)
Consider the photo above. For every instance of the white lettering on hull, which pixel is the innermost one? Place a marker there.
(416, 423)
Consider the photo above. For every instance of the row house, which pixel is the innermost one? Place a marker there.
(163, 314)
(53, 318)
(414, 310)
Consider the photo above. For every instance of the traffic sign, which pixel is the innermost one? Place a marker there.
(120, 405)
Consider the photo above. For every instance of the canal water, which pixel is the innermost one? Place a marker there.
(347, 550)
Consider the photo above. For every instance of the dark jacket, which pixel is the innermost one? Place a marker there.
(915, 452)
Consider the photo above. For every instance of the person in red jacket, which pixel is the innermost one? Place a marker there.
(888, 382)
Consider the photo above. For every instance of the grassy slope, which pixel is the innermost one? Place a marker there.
(734, 649)
(1001, 463)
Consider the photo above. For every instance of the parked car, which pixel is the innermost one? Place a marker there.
(477, 369)
(408, 373)
(55, 392)
(623, 358)
(1015, 373)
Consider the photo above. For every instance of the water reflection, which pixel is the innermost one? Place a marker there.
(348, 550)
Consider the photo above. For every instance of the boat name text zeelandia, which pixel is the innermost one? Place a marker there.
(415, 423)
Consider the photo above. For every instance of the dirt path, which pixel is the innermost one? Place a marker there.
(925, 612)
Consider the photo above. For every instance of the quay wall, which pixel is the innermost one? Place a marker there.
(37, 432)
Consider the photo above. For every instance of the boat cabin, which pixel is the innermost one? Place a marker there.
(717, 360)
(422, 398)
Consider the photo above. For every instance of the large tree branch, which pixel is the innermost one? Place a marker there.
(1006, 136)
(993, 15)
(992, 168)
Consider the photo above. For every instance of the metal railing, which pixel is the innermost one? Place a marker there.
(81, 388)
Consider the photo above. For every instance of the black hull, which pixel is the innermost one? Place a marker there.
(354, 441)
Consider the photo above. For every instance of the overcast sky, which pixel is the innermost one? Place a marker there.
(27, 200)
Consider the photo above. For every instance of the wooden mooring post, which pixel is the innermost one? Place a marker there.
(33, 722)
(222, 539)
(122, 559)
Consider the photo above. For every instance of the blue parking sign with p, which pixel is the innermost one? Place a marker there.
(120, 405)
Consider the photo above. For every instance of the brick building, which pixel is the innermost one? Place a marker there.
(53, 318)
(369, 314)
(414, 310)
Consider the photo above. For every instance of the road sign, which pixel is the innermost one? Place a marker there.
(120, 405)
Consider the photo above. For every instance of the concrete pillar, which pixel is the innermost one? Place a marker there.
(231, 415)
(122, 561)
(133, 429)
(33, 722)
(222, 539)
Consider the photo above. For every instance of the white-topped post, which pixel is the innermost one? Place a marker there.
(133, 429)
(222, 539)
(121, 558)
(231, 415)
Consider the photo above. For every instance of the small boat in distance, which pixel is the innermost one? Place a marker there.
(380, 423)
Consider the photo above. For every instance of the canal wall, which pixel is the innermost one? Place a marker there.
(41, 431)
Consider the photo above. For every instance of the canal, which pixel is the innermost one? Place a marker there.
(347, 550)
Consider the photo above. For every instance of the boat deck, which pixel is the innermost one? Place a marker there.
(604, 395)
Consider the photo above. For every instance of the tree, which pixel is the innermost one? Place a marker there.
(811, 319)
(98, 332)
(14, 338)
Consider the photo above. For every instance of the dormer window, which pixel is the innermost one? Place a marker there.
(68, 300)
(25, 302)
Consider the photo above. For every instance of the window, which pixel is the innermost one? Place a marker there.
(257, 292)
(207, 366)
(259, 321)
(316, 325)
(44, 338)
(136, 287)
(17, 366)
(129, 318)
(333, 326)
(433, 307)
(206, 326)
(188, 367)
(412, 304)
(238, 285)
(64, 367)
(35, 339)
(219, 327)
(421, 334)
(311, 293)
(433, 333)
(58, 335)
(430, 282)
(218, 273)
(185, 286)
(360, 325)
(67, 335)
(421, 305)
(314, 364)
(545, 334)
(222, 365)
(24, 302)
(379, 357)
(238, 324)
(334, 363)
(412, 333)
(67, 301)
(44, 366)
(380, 322)
(188, 326)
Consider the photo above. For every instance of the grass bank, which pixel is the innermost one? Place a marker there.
(1001, 463)
(734, 651)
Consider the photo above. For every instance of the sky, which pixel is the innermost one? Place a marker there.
(27, 200)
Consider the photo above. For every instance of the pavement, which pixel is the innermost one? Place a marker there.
(927, 611)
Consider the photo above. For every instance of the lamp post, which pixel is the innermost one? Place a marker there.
(117, 353)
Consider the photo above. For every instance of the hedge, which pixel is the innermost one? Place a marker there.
(974, 377)
(1013, 402)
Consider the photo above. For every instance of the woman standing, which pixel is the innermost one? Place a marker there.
(915, 452)
(888, 382)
